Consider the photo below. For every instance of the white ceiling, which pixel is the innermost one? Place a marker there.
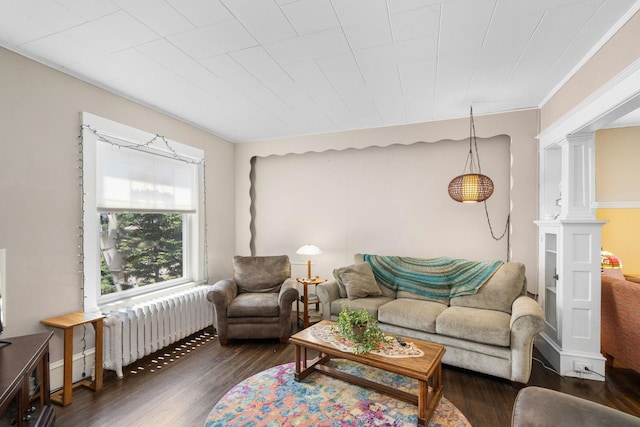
(257, 69)
(631, 119)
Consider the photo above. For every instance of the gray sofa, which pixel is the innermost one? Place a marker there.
(491, 331)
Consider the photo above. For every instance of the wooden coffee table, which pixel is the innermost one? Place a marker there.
(427, 369)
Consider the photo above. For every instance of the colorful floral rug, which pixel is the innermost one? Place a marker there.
(274, 398)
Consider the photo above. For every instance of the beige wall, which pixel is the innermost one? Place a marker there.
(620, 52)
(617, 159)
(618, 193)
(354, 200)
(620, 235)
(40, 205)
(520, 127)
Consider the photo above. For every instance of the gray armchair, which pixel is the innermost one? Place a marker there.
(541, 407)
(257, 302)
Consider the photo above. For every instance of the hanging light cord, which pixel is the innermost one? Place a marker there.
(473, 143)
(84, 351)
(472, 160)
(504, 233)
(474, 140)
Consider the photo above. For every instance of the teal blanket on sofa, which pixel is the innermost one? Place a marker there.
(440, 278)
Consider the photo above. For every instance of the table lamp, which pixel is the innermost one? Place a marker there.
(309, 250)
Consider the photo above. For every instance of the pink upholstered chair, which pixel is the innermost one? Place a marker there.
(620, 321)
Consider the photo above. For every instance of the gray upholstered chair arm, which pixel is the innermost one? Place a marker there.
(222, 293)
(527, 320)
(327, 292)
(288, 294)
(536, 406)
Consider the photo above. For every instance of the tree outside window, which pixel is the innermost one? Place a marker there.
(140, 249)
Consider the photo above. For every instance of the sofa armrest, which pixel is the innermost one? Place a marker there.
(527, 321)
(526, 315)
(327, 293)
(288, 294)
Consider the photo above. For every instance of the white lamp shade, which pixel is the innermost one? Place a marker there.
(308, 250)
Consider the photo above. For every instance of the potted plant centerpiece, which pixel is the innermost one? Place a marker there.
(360, 328)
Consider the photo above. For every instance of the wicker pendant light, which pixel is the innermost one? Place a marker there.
(471, 187)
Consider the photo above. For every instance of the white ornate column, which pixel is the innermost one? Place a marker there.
(569, 277)
(578, 177)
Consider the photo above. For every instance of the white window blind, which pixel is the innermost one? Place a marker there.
(131, 180)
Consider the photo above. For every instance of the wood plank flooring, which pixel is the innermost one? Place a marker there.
(179, 385)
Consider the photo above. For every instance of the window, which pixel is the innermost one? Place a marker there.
(143, 212)
(140, 249)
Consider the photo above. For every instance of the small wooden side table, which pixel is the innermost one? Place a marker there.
(67, 322)
(306, 298)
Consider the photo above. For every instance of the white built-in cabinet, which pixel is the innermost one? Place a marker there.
(569, 258)
(549, 274)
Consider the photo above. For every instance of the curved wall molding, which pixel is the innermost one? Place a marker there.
(520, 126)
(377, 190)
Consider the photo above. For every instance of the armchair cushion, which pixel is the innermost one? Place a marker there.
(261, 274)
(259, 304)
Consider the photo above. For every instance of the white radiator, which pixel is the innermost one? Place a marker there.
(135, 332)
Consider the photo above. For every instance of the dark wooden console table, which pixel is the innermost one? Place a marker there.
(24, 381)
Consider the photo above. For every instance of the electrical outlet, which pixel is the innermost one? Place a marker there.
(581, 366)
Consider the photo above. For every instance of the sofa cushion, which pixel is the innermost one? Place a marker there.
(411, 295)
(358, 280)
(371, 304)
(475, 324)
(414, 314)
(500, 291)
(261, 273)
(342, 291)
(358, 258)
(259, 304)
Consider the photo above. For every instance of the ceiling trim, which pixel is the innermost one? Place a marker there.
(603, 40)
(612, 101)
